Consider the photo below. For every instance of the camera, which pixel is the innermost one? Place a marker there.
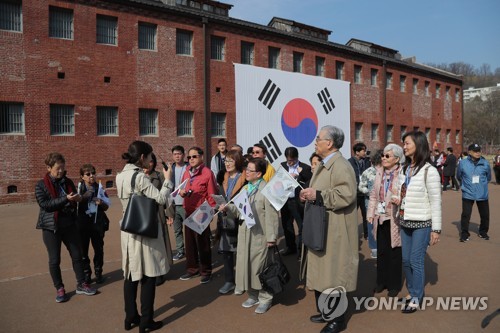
(188, 193)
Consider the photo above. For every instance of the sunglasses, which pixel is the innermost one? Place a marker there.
(387, 156)
(90, 173)
(192, 156)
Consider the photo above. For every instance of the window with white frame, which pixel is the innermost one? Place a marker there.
(438, 90)
(358, 131)
(218, 125)
(217, 47)
(428, 133)
(297, 61)
(448, 136)
(457, 95)
(374, 132)
(402, 83)
(106, 29)
(438, 135)
(185, 123)
(183, 43)
(62, 119)
(147, 36)
(457, 136)
(320, 66)
(357, 74)
(402, 131)
(447, 93)
(388, 80)
(373, 77)
(415, 86)
(60, 23)
(11, 17)
(427, 84)
(148, 122)
(107, 120)
(339, 70)
(247, 53)
(11, 118)
(389, 133)
(274, 57)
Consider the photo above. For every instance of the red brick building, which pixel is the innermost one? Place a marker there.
(85, 78)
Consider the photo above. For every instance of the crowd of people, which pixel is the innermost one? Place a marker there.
(398, 190)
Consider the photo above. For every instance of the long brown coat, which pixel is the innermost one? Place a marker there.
(337, 265)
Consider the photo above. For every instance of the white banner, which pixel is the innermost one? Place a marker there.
(179, 188)
(200, 219)
(282, 109)
(279, 188)
(241, 202)
(101, 194)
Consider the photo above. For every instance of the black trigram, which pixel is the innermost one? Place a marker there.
(326, 100)
(269, 94)
(273, 150)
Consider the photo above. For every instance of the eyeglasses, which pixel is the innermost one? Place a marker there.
(229, 161)
(319, 139)
(90, 173)
(251, 171)
(192, 156)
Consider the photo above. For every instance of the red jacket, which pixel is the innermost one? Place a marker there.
(202, 182)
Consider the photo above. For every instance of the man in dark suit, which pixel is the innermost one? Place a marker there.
(293, 208)
(449, 167)
(360, 162)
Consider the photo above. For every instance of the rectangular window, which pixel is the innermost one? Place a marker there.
(448, 136)
(447, 93)
(11, 17)
(402, 83)
(373, 77)
(402, 131)
(274, 57)
(62, 119)
(297, 61)
(358, 131)
(339, 70)
(106, 29)
(185, 123)
(147, 36)
(457, 95)
(218, 48)
(148, 122)
(374, 132)
(427, 84)
(389, 80)
(428, 133)
(60, 22)
(183, 42)
(438, 135)
(389, 133)
(11, 118)
(247, 53)
(438, 90)
(218, 125)
(357, 74)
(415, 86)
(107, 120)
(457, 136)
(320, 66)
(416, 128)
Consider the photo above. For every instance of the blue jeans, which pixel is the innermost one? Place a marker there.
(372, 243)
(414, 244)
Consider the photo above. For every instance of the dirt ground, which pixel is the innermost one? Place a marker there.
(28, 297)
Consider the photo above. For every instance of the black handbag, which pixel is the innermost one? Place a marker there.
(314, 226)
(275, 275)
(141, 215)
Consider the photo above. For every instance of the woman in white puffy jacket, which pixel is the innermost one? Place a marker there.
(420, 213)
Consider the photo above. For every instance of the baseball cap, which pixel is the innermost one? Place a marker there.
(475, 147)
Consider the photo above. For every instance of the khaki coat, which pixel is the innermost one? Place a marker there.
(337, 265)
(142, 255)
(252, 250)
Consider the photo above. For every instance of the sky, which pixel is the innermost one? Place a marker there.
(434, 31)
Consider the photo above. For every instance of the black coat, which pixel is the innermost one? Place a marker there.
(359, 168)
(450, 166)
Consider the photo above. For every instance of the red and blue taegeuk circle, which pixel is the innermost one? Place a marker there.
(299, 122)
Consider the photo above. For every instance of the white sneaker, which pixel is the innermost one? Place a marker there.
(250, 302)
(374, 254)
(262, 308)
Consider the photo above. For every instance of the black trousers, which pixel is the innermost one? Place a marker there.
(361, 204)
(148, 290)
(228, 258)
(389, 260)
(292, 211)
(454, 183)
(91, 232)
(69, 236)
(484, 213)
(496, 170)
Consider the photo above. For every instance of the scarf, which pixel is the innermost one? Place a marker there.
(251, 187)
(49, 184)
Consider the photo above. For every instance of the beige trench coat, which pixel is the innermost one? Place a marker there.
(338, 264)
(142, 255)
(252, 251)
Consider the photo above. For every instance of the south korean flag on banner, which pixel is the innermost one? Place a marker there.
(283, 109)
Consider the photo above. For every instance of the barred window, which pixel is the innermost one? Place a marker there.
(247, 53)
(457, 95)
(403, 131)
(447, 93)
(147, 36)
(438, 90)
(218, 125)
(457, 136)
(62, 119)
(183, 44)
(106, 29)
(448, 136)
(218, 49)
(388, 81)
(11, 118)
(358, 130)
(438, 134)
(320, 66)
(274, 57)
(60, 23)
(11, 16)
(185, 123)
(107, 120)
(374, 132)
(374, 77)
(357, 74)
(297, 61)
(148, 122)
(427, 84)
(428, 133)
(389, 135)
(415, 86)
(402, 83)
(339, 69)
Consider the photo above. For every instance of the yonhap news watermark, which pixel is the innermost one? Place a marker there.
(333, 303)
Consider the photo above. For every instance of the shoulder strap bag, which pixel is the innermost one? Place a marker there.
(141, 215)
